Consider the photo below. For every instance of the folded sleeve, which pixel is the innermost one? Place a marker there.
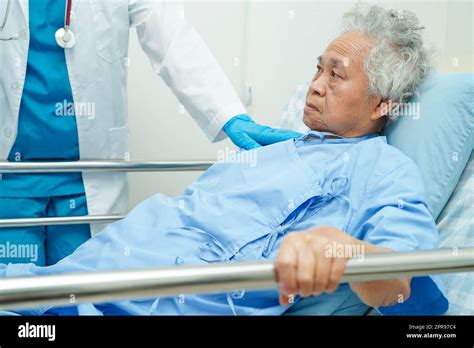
(180, 56)
(394, 215)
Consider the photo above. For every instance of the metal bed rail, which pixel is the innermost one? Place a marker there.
(100, 286)
(89, 166)
(101, 166)
(51, 221)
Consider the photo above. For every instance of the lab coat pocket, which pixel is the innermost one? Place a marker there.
(118, 141)
(111, 28)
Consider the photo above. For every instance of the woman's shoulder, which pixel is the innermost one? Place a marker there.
(384, 161)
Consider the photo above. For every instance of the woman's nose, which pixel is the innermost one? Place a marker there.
(318, 87)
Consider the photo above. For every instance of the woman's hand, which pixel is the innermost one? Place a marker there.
(313, 262)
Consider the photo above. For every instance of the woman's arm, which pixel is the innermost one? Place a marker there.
(310, 263)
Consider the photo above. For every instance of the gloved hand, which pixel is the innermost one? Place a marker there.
(247, 134)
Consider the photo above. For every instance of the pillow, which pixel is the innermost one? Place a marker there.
(292, 117)
(456, 229)
(436, 131)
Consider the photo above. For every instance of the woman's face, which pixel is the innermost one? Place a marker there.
(337, 100)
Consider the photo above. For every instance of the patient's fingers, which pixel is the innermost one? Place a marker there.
(286, 264)
(323, 267)
(337, 271)
(305, 270)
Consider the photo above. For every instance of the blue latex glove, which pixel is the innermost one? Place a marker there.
(247, 134)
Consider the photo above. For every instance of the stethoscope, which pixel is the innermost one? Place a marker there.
(65, 37)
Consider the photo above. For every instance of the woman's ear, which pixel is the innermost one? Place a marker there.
(384, 108)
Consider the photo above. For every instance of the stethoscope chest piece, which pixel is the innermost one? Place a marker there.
(65, 38)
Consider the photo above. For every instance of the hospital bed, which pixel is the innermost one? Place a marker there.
(454, 218)
(29, 292)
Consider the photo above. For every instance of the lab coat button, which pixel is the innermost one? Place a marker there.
(15, 86)
(7, 132)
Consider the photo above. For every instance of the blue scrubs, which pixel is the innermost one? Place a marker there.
(241, 210)
(46, 132)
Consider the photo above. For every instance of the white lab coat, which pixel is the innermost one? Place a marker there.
(97, 68)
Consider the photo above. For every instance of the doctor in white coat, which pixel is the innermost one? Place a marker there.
(38, 77)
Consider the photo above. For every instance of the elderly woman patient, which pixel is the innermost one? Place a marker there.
(305, 203)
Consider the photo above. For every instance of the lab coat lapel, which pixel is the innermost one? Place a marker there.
(25, 8)
(73, 9)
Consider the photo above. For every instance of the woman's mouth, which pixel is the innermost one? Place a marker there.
(311, 107)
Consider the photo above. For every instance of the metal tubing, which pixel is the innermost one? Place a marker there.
(29, 292)
(50, 221)
(99, 166)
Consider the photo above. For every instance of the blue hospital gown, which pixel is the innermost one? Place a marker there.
(241, 209)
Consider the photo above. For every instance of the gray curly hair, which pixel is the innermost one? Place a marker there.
(399, 62)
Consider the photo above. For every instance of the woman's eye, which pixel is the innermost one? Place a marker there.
(319, 69)
(333, 74)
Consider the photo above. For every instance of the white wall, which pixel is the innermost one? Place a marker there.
(268, 45)
(159, 131)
